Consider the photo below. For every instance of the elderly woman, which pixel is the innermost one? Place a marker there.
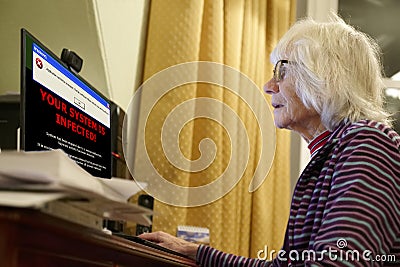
(327, 86)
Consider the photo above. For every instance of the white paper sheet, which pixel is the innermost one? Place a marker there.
(22, 199)
(29, 179)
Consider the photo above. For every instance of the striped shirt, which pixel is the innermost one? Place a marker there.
(318, 142)
(345, 209)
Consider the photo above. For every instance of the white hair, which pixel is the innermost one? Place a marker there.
(336, 70)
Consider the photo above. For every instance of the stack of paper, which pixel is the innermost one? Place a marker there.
(32, 179)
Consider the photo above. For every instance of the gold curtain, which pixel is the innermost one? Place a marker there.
(239, 34)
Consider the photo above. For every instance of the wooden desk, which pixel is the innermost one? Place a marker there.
(31, 238)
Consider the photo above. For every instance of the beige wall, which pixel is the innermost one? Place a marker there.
(57, 24)
(122, 27)
(106, 34)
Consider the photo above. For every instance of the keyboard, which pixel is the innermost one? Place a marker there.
(149, 244)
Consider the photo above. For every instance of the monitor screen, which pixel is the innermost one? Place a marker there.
(60, 110)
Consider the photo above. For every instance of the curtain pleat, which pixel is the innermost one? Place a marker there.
(239, 34)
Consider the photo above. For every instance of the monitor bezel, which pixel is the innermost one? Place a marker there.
(24, 35)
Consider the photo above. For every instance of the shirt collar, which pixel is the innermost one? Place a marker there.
(318, 142)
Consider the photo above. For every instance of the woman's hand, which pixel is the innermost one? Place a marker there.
(174, 243)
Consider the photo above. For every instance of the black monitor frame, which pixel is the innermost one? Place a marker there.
(27, 41)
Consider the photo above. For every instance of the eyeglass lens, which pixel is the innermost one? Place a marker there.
(279, 70)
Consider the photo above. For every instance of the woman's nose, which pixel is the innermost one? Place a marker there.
(271, 87)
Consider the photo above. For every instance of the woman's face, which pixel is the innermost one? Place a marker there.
(289, 111)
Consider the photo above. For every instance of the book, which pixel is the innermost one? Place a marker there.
(64, 210)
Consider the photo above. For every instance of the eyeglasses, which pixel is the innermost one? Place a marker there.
(279, 70)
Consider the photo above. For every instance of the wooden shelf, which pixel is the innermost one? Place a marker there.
(32, 238)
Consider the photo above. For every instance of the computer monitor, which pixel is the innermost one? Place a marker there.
(60, 110)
